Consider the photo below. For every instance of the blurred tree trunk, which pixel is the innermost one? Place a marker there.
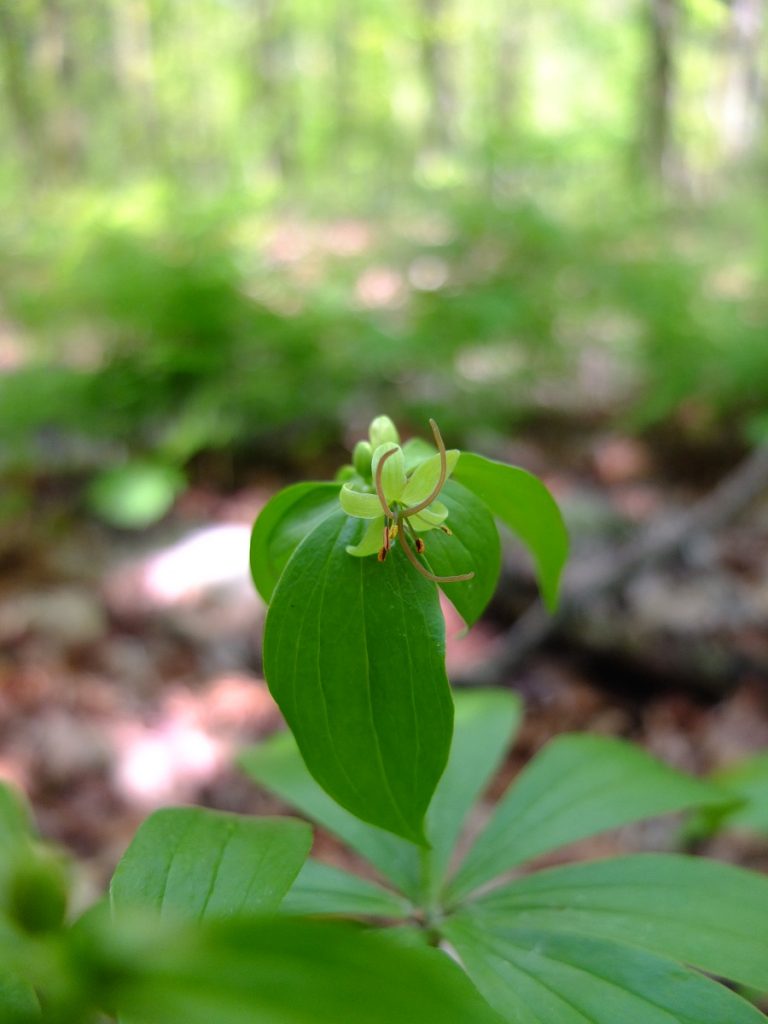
(133, 49)
(743, 86)
(57, 60)
(437, 68)
(273, 80)
(16, 44)
(662, 21)
(502, 115)
(343, 56)
(509, 50)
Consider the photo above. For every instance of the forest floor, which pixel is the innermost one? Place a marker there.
(130, 667)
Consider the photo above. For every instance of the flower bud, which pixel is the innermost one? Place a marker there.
(344, 473)
(361, 458)
(381, 431)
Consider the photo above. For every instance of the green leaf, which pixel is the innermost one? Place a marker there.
(292, 971)
(16, 826)
(485, 723)
(473, 547)
(539, 977)
(710, 915)
(277, 765)
(525, 505)
(577, 786)
(408, 935)
(354, 656)
(18, 1002)
(281, 526)
(135, 495)
(322, 889)
(747, 782)
(195, 863)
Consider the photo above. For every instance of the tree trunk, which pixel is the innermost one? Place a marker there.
(662, 26)
(133, 49)
(509, 50)
(22, 98)
(273, 80)
(57, 61)
(437, 68)
(742, 88)
(342, 94)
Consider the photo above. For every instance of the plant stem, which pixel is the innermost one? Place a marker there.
(428, 902)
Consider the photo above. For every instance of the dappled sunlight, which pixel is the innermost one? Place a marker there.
(201, 581)
(464, 648)
(165, 764)
(193, 735)
(380, 287)
(14, 350)
(214, 556)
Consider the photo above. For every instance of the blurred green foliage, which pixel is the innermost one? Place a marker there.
(238, 224)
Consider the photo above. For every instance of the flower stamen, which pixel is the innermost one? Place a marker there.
(425, 572)
(395, 520)
(379, 484)
(412, 511)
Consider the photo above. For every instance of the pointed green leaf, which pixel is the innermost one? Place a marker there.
(322, 889)
(16, 826)
(710, 915)
(577, 786)
(281, 526)
(17, 835)
(485, 724)
(747, 782)
(473, 547)
(195, 863)
(354, 656)
(525, 505)
(286, 970)
(277, 765)
(539, 977)
(15, 819)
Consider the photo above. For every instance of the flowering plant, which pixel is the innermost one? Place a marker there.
(377, 682)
